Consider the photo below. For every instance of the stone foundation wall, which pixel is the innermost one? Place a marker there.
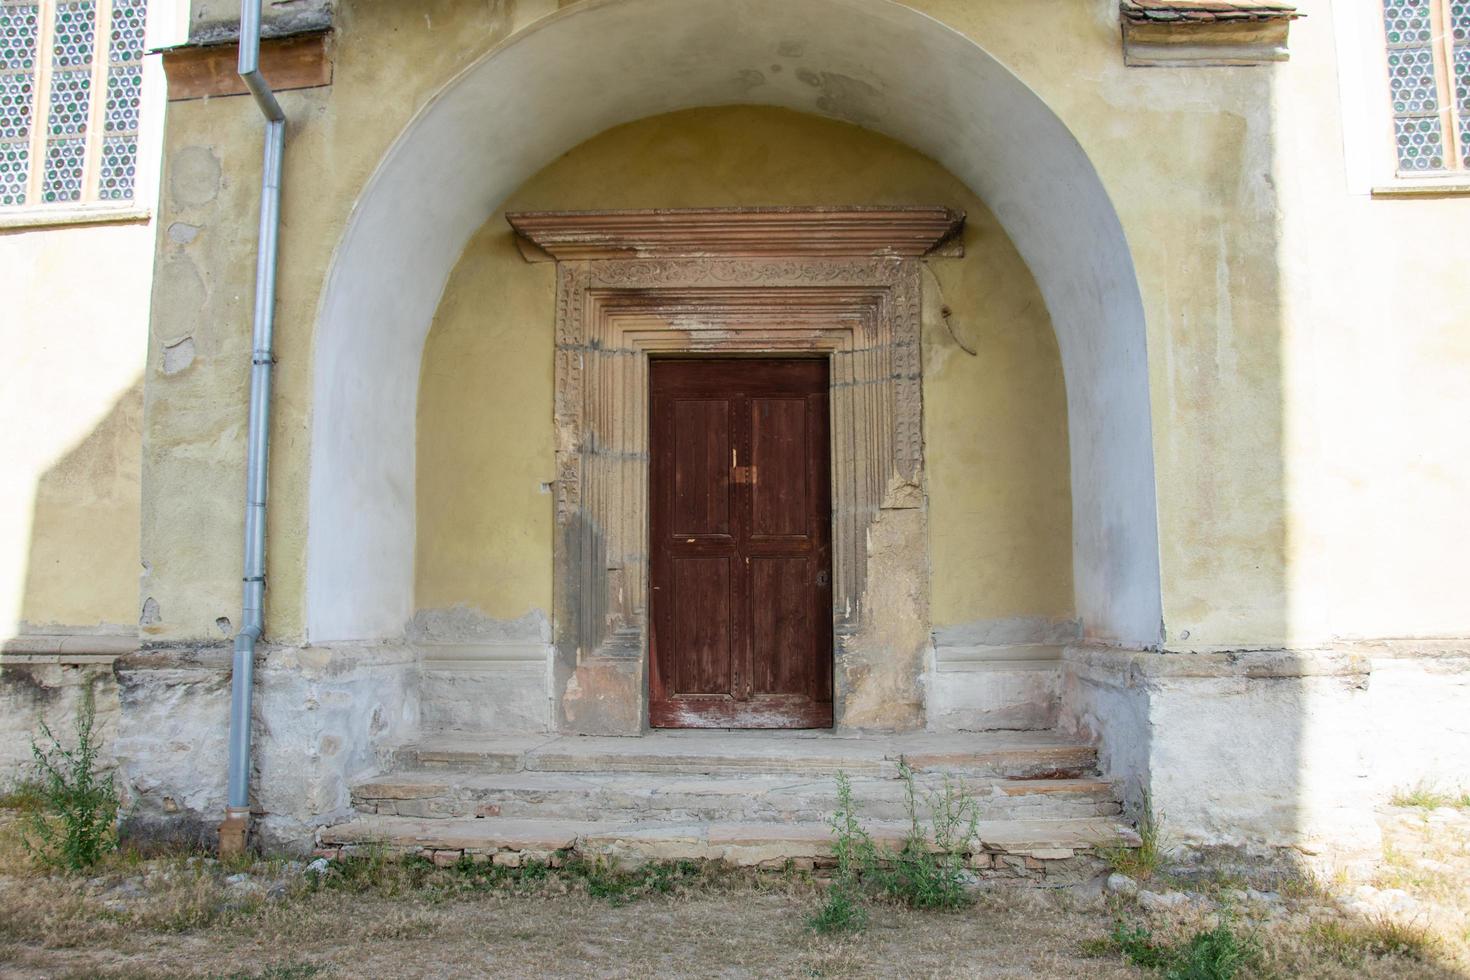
(323, 715)
(1261, 750)
(49, 690)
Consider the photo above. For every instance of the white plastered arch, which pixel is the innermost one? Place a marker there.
(607, 62)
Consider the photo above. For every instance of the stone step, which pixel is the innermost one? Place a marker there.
(1000, 755)
(1038, 849)
(676, 798)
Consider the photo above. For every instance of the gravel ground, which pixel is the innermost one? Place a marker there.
(176, 916)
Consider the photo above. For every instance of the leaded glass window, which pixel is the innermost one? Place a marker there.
(71, 75)
(1429, 83)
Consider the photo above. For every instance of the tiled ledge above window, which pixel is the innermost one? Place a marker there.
(206, 71)
(63, 216)
(1203, 33)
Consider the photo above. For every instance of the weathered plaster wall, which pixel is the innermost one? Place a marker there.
(610, 62)
(995, 420)
(76, 309)
(193, 469)
(1200, 164)
(1305, 345)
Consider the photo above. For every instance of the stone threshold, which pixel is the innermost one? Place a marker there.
(1028, 754)
(1038, 850)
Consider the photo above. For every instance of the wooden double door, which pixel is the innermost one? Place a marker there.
(741, 544)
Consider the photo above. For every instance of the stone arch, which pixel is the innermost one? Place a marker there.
(606, 62)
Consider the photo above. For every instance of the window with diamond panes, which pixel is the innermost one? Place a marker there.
(71, 79)
(1429, 84)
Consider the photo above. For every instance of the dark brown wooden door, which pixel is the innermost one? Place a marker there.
(741, 544)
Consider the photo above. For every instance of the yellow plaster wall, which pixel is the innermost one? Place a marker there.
(995, 422)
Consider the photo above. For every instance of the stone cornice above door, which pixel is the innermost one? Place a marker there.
(868, 232)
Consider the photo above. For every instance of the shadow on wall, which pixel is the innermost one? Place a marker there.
(82, 571)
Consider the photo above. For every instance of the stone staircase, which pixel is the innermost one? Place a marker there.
(747, 798)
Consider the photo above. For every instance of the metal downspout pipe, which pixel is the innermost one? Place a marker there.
(235, 829)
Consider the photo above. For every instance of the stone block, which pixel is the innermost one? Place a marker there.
(487, 697)
(995, 696)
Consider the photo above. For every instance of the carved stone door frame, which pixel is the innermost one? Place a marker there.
(635, 284)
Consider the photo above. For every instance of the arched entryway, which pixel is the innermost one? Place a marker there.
(872, 62)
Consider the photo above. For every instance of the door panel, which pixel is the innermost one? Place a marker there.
(702, 625)
(701, 477)
(781, 633)
(778, 450)
(740, 544)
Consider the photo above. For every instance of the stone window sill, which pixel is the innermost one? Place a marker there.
(61, 217)
(1458, 186)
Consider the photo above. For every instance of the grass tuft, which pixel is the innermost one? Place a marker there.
(1140, 863)
(1383, 936)
(1214, 954)
(1136, 942)
(1426, 796)
(1211, 954)
(284, 971)
(374, 872)
(841, 912)
(24, 796)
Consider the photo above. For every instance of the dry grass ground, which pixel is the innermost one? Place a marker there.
(171, 916)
